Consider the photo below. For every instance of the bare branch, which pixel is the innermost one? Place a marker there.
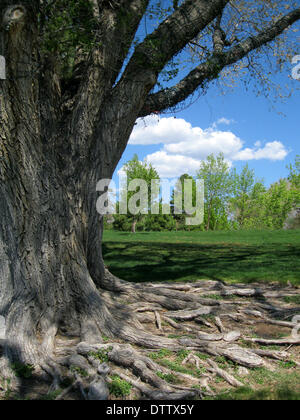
(211, 69)
(173, 34)
(150, 57)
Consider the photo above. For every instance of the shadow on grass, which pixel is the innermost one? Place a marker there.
(153, 261)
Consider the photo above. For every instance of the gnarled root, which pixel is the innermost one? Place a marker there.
(203, 318)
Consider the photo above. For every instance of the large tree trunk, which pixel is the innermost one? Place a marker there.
(52, 274)
(50, 233)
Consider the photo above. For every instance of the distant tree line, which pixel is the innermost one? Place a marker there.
(232, 200)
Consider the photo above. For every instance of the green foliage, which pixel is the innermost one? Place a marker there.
(77, 370)
(51, 396)
(160, 354)
(22, 371)
(244, 183)
(135, 199)
(169, 377)
(118, 387)
(147, 223)
(287, 365)
(159, 222)
(219, 185)
(178, 208)
(264, 384)
(68, 27)
(202, 356)
(182, 354)
(294, 175)
(270, 209)
(232, 200)
(221, 360)
(101, 355)
(246, 393)
(176, 366)
(292, 299)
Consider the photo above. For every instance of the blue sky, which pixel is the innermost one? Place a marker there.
(249, 130)
(245, 127)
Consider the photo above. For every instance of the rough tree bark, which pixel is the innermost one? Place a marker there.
(55, 147)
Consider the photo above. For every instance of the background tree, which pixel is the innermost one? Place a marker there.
(294, 175)
(179, 214)
(78, 77)
(256, 207)
(293, 220)
(244, 183)
(278, 203)
(159, 222)
(270, 208)
(134, 169)
(219, 185)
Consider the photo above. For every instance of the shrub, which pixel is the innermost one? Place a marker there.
(118, 387)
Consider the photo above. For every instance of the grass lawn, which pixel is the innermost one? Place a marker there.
(235, 256)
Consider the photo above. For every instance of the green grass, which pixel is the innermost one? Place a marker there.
(51, 396)
(281, 393)
(169, 377)
(266, 385)
(233, 256)
(175, 365)
(77, 370)
(101, 355)
(22, 371)
(292, 299)
(118, 387)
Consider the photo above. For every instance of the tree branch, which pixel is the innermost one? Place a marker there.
(173, 34)
(117, 28)
(219, 36)
(211, 69)
(127, 98)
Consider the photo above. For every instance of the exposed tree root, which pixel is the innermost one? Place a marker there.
(203, 317)
(223, 374)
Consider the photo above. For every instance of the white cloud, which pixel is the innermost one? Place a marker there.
(199, 145)
(224, 121)
(220, 121)
(273, 151)
(184, 146)
(172, 166)
(155, 130)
